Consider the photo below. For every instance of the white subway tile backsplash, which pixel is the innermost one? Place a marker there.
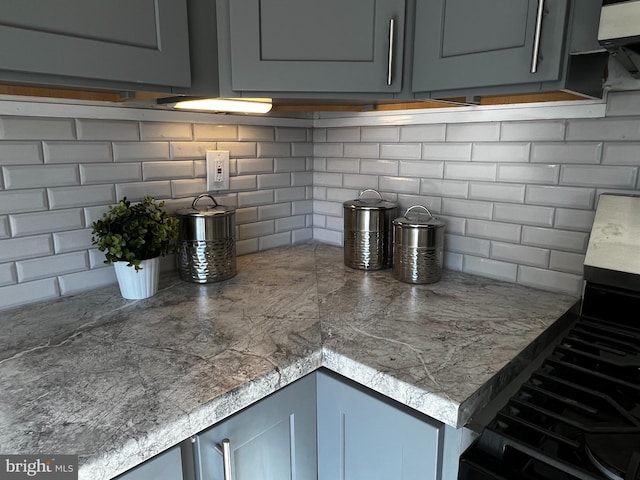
(467, 208)
(574, 219)
(22, 293)
(327, 208)
(319, 165)
(8, 274)
(327, 179)
(190, 150)
(550, 280)
(289, 194)
(617, 154)
(528, 173)
(253, 133)
(602, 176)
(245, 182)
(88, 280)
(422, 133)
(585, 152)
(245, 247)
(301, 179)
(319, 220)
(520, 254)
(328, 150)
(560, 196)
(327, 236)
(274, 180)
(507, 232)
(33, 176)
(277, 210)
(421, 168)
(257, 229)
(273, 241)
(434, 204)
(140, 151)
(302, 235)
(138, 190)
(165, 131)
(500, 152)
(360, 181)
(467, 245)
(486, 267)
(228, 133)
(45, 267)
(290, 223)
(72, 240)
(20, 153)
(473, 132)
(467, 171)
(343, 134)
(319, 135)
(447, 151)
(379, 167)
(361, 150)
(500, 192)
(28, 247)
(78, 152)
(291, 134)
(453, 261)
(603, 129)
(260, 197)
(443, 188)
(110, 173)
(167, 170)
(274, 149)
(292, 164)
(567, 262)
(36, 128)
(239, 149)
(4, 227)
(531, 131)
(334, 223)
(68, 197)
(246, 166)
(343, 165)
(380, 134)
(91, 214)
(45, 222)
(188, 188)
(623, 103)
(302, 149)
(20, 201)
(97, 259)
(401, 150)
(555, 239)
(110, 130)
(246, 215)
(339, 194)
(524, 214)
(399, 184)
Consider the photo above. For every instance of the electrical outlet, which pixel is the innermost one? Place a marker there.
(217, 170)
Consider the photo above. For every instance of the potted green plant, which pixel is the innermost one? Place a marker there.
(133, 236)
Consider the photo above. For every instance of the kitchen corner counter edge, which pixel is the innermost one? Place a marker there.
(118, 382)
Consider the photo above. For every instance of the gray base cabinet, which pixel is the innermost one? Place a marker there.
(362, 437)
(275, 439)
(311, 46)
(166, 466)
(90, 43)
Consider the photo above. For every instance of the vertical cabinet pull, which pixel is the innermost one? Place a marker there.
(536, 37)
(225, 451)
(390, 56)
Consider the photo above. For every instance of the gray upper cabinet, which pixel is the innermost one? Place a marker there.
(312, 46)
(274, 439)
(86, 42)
(463, 44)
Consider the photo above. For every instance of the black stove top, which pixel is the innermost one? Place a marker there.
(578, 415)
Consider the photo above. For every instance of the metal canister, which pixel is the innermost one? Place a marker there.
(368, 232)
(418, 246)
(207, 242)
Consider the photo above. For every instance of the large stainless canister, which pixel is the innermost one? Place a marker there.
(418, 246)
(207, 242)
(367, 232)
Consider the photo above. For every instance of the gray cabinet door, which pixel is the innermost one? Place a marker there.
(315, 46)
(166, 466)
(467, 43)
(362, 437)
(134, 41)
(275, 439)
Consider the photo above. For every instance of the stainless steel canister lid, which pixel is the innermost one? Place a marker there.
(414, 219)
(208, 222)
(376, 203)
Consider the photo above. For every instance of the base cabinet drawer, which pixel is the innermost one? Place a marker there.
(166, 466)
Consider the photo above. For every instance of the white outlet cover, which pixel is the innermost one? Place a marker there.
(212, 158)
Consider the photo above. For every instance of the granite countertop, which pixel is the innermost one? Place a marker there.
(118, 381)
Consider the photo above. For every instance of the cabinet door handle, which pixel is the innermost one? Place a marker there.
(225, 451)
(392, 25)
(536, 37)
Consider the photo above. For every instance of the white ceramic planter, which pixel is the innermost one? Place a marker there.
(141, 284)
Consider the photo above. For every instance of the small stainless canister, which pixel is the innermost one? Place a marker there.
(207, 242)
(367, 232)
(418, 246)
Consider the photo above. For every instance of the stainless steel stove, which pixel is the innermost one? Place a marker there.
(578, 415)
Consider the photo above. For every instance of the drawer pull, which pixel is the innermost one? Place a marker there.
(225, 451)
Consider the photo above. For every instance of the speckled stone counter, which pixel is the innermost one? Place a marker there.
(119, 381)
